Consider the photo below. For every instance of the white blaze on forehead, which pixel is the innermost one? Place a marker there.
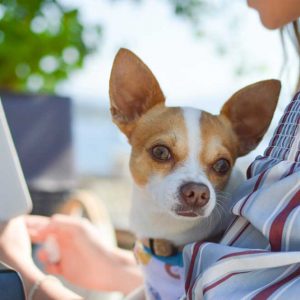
(163, 192)
(192, 118)
(192, 168)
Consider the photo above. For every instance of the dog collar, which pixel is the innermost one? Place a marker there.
(173, 260)
(161, 247)
(165, 248)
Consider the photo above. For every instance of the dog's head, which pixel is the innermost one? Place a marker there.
(184, 156)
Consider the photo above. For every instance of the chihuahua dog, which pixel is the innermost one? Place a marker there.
(181, 163)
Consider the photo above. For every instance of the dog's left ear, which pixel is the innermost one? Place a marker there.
(133, 90)
(250, 112)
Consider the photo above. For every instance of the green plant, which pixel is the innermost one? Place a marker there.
(41, 42)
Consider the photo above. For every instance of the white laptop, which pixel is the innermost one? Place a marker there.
(14, 196)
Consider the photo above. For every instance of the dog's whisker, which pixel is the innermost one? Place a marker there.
(223, 194)
(219, 210)
(223, 200)
(209, 221)
(221, 207)
(222, 197)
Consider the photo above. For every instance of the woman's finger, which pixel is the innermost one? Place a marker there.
(33, 222)
(39, 228)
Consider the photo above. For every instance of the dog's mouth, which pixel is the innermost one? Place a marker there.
(189, 212)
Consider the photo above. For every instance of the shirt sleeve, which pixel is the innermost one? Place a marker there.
(259, 255)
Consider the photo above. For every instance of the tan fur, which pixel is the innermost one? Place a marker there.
(219, 141)
(164, 126)
(133, 90)
(250, 111)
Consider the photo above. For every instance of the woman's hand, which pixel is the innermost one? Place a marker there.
(84, 259)
(15, 251)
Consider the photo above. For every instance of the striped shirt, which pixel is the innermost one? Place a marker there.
(259, 255)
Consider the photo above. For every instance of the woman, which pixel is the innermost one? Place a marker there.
(93, 266)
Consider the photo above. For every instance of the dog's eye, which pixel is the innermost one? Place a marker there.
(161, 153)
(221, 166)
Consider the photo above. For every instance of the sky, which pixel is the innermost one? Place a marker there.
(188, 68)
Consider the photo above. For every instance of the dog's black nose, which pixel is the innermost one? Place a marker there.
(194, 195)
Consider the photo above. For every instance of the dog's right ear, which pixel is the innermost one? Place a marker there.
(133, 90)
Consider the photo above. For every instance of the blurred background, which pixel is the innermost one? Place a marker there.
(56, 57)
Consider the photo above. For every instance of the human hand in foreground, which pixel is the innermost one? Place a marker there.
(15, 251)
(84, 259)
